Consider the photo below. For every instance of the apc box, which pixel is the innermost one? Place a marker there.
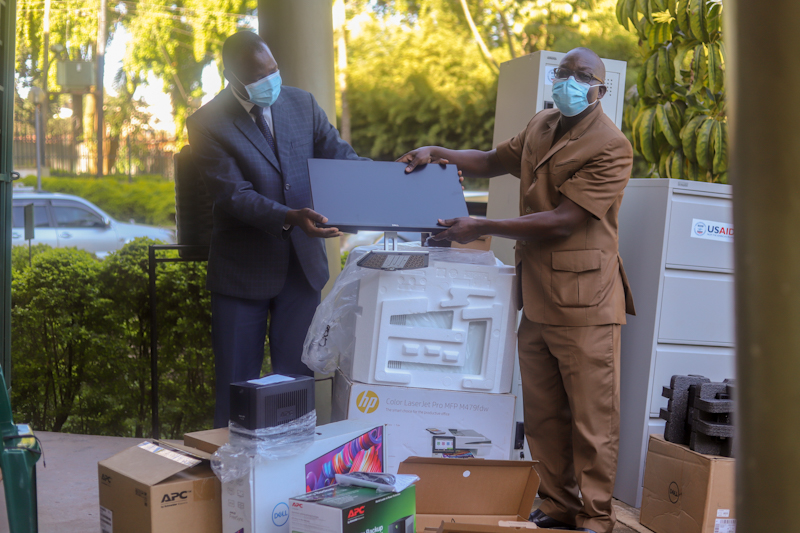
(341, 509)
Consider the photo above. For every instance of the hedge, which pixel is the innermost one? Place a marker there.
(147, 200)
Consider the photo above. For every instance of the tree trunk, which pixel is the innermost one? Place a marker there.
(487, 55)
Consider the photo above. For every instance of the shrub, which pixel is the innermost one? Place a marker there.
(148, 200)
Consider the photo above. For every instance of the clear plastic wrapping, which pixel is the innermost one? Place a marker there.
(332, 331)
(248, 448)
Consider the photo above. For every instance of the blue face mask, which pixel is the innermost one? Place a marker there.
(570, 96)
(265, 91)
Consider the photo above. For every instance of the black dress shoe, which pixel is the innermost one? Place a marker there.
(545, 522)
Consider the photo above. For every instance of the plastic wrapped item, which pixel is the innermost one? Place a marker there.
(379, 482)
(247, 448)
(332, 331)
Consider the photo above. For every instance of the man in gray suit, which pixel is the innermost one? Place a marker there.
(251, 144)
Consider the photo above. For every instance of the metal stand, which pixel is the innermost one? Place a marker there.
(152, 263)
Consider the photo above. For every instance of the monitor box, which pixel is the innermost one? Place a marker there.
(151, 489)
(429, 423)
(259, 501)
(341, 509)
(450, 326)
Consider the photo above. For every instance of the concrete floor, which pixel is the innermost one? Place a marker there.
(68, 494)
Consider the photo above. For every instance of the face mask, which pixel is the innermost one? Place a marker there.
(570, 96)
(265, 91)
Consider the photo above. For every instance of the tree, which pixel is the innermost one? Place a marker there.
(678, 115)
(417, 74)
(176, 40)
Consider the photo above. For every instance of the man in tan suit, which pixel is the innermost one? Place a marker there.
(573, 164)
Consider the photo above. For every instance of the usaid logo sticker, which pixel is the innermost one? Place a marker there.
(280, 514)
(714, 231)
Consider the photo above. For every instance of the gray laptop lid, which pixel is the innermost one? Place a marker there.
(380, 196)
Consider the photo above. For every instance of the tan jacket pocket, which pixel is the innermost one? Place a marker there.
(577, 279)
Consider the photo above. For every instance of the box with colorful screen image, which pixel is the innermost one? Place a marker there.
(362, 454)
(340, 509)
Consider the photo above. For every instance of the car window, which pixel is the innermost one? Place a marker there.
(40, 219)
(75, 216)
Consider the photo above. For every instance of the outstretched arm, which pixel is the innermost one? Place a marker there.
(473, 163)
(558, 223)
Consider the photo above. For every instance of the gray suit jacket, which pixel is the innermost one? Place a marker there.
(252, 189)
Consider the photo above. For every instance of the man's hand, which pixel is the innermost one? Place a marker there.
(420, 156)
(424, 156)
(306, 219)
(461, 230)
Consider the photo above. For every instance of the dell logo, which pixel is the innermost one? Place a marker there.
(280, 514)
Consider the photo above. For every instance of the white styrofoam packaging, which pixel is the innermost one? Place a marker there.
(426, 423)
(449, 326)
(259, 503)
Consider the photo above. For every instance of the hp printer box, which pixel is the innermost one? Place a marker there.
(259, 501)
(353, 510)
(429, 423)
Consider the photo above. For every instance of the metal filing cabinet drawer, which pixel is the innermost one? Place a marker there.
(714, 363)
(685, 250)
(697, 308)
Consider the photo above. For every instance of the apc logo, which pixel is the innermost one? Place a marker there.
(699, 229)
(168, 498)
(674, 492)
(355, 512)
(298, 505)
(280, 514)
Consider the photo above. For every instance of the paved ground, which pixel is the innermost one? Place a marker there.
(68, 494)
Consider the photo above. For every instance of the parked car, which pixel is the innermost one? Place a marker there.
(63, 220)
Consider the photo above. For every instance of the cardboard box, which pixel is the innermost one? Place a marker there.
(151, 489)
(686, 491)
(414, 418)
(483, 244)
(471, 491)
(259, 502)
(353, 510)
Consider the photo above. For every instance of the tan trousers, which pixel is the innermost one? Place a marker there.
(570, 389)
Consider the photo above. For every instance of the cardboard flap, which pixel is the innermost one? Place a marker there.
(208, 440)
(473, 486)
(194, 452)
(145, 466)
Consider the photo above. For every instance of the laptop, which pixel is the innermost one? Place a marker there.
(380, 196)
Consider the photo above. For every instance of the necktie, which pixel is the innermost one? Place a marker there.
(258, 113)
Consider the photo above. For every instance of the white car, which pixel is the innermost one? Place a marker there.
(63, 220)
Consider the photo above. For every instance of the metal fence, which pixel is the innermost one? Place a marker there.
(147, 152)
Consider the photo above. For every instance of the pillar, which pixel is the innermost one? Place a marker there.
(763, 82)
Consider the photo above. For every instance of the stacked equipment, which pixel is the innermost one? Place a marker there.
(700, 414)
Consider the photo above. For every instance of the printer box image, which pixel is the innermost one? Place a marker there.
(259, 501)
(341, 509)
(429, 423)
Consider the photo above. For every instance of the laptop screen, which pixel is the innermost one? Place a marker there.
(380, 196)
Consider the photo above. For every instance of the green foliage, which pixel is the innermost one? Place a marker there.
(148, 200)
(176, 40)
(676, 113)
(416, 76)
(64, 341)
(81, 343)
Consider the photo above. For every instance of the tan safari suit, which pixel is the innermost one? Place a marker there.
(575, 296)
